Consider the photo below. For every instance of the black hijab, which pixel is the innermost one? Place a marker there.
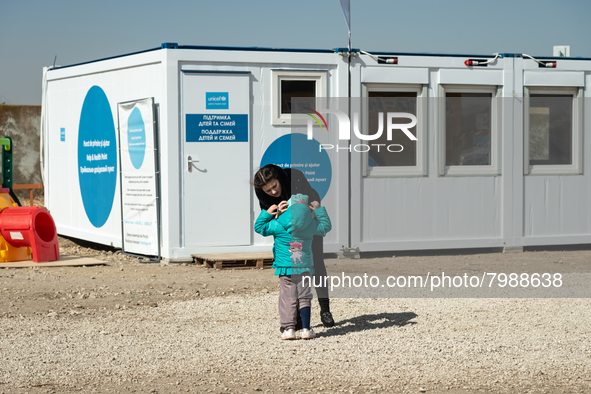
(292, 181)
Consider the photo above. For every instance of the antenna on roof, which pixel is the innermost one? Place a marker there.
(54, 60)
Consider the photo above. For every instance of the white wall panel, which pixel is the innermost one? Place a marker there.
(556, 205)
(453, 208)
(65, 97)
(554, 78)
(470, 76)
(395, 75)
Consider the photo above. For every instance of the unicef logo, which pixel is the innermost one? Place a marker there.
(217, 100)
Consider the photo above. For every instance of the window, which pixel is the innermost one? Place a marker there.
(292, 89)
(295, 84)
(469, 138)
(399, 155)
(552, 131)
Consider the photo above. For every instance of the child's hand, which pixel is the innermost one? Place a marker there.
(314, 205)
(272, 209)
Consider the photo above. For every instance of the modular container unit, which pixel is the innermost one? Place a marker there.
(498, 160)
(207, 200)
(525, 115)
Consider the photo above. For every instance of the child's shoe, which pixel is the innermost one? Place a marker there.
(289, 334)
(308, 334)
(298, 326)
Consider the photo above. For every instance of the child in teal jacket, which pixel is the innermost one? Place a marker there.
(293, 232)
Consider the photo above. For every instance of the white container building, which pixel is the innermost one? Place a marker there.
(499, 159)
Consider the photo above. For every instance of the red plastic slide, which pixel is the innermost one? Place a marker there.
(33, 227)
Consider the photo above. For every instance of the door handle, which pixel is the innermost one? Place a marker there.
(190, 162)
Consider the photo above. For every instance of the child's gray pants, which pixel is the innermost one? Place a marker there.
(294, 293)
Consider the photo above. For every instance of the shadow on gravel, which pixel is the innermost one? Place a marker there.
(70, 241)
(369, 322)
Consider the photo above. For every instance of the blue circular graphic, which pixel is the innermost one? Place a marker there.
(136, 138)
(297, 151)
(97, 156)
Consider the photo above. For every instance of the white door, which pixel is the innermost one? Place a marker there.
(216, 158)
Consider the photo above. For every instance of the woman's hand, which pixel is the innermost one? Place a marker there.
(272, 209)
(314, 205)
(282, 207)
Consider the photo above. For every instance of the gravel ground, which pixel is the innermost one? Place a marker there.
(129, 327)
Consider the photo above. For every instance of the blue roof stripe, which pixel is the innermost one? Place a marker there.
(378, 53)
(255, 49)
(106, 58)
(174, 46)
(503, 55)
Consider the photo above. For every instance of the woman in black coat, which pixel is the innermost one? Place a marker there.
(274, 186)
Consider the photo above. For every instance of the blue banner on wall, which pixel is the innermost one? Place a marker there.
(298, 152)
(217, 128)
(97, 156)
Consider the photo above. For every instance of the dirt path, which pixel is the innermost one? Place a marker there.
(127, 290)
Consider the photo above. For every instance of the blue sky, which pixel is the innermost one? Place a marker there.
(33, 32)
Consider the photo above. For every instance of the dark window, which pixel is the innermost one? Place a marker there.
(296, 89)
(468, 129)
(550, 129)
(385, 102)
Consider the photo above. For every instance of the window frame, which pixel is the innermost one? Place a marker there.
(576, 166)
(494, 168)
(420, 169)
(319, 76)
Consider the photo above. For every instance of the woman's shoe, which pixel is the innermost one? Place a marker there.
(326, 319)
(289, 334)
(308, 334)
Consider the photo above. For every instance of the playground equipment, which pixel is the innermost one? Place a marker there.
(25, 232)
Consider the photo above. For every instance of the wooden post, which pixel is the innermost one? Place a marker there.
(30, 187)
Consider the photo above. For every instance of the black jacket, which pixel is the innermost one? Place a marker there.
(292, 182)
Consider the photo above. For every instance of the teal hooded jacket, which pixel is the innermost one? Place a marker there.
(293, 231)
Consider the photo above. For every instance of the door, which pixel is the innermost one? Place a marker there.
(216, 158)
